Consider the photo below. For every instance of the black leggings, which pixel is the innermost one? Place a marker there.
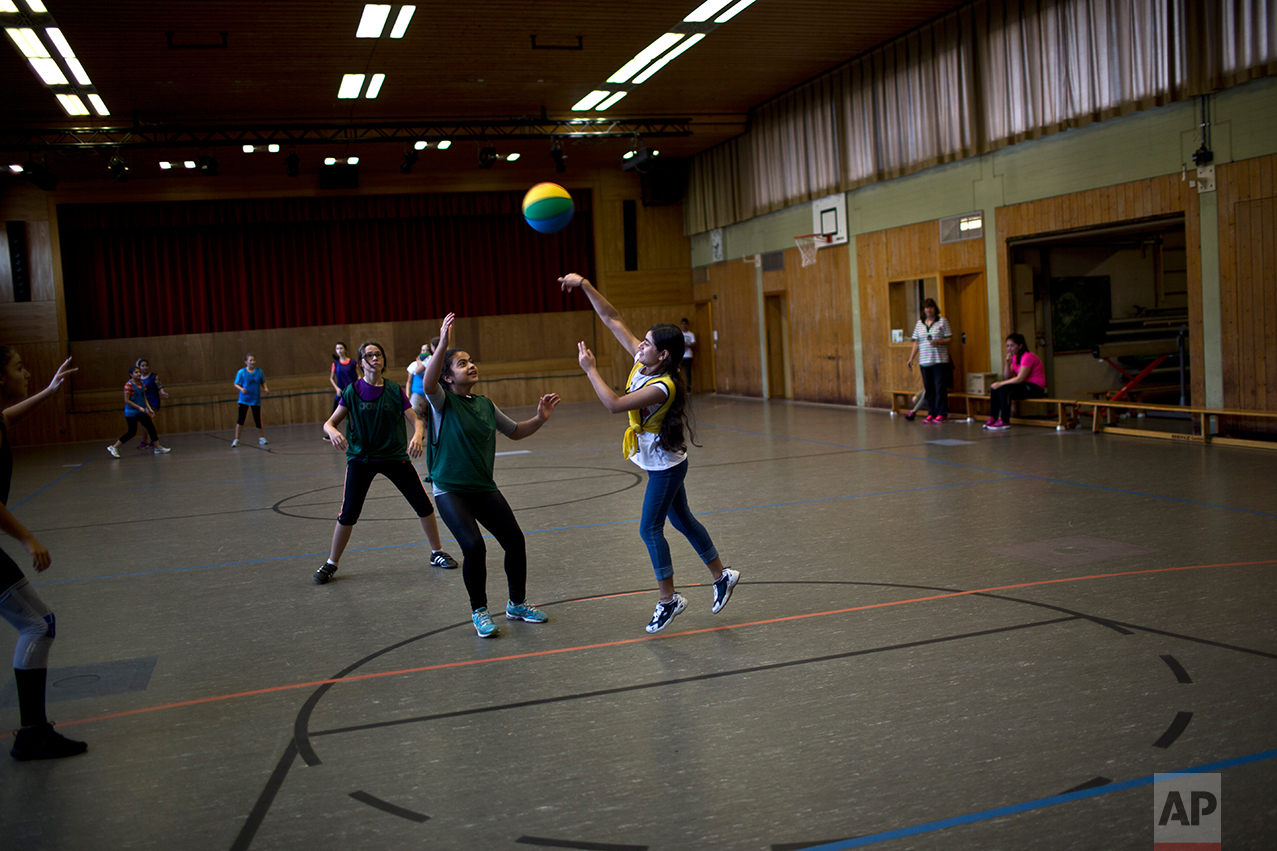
(463, 512)
(1000, 398)
(243, 414)
(145, 421)
(359, 476)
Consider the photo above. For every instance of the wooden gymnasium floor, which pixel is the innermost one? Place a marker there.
(943, 639)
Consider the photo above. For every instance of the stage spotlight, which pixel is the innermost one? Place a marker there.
(410, 158)
(556, 154)
(206, 165)
(640, 159)
(40, 176)
(118, 169)
(293, 164)
(487, 156)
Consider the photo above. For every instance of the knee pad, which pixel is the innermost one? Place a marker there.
(34, 642)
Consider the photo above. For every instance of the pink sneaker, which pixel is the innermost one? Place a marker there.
(941, 418)
(929, 419)
(991, 422)
(999, 425)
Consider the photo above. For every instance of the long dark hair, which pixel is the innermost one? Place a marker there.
(678, 427)
(336, 357)
(1018, 339)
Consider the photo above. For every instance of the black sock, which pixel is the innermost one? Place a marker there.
(31, 684)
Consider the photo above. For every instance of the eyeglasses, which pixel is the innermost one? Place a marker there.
(374, 356)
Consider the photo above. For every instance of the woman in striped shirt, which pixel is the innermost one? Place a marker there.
(931, 338)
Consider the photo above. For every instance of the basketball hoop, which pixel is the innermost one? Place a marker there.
(809, 243)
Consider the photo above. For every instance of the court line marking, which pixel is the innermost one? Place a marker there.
(627, 641)
(50, 484)
(1039, 803)
(525, 532)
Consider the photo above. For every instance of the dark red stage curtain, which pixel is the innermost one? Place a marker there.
(135, 270)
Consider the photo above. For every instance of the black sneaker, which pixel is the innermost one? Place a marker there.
(723, 588)
(325, 573)
(43, 742)
(439, 558)
(665, 613)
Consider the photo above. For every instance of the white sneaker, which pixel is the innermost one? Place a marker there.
(262, 441)
(114, 452)
(162, 450)
(234, 443)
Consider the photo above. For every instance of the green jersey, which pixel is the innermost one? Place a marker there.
(462, 450)
(375, 428)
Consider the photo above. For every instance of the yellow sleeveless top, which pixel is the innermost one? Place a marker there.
(651, 424)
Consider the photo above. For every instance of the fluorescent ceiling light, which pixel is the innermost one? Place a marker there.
(420, 146)
(15, 168)
(646, 55)
(401, 22)
(591, 100)
(374, 85)
(352, 160)
(445, 144)
(77, 71)
(59, 41)
(611, 101)
(373, 21)
(7, 6)
(49, 72)
(73, 105)
(733, 12)
(28, 42)
(36, 6)
(706, 10)
(188, 163)
(99, 105)
(330, 161)
(166, 166)
(351, 84)
(511, 157)
(664, 60)
(274, 149)
(248, 149)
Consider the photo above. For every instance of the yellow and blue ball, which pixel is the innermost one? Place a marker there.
(547, 207)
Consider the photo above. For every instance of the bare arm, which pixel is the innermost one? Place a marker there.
(545, 407)
(335, 436)
(40, 558)
(652, 394)
(13, 413)
(434, 365)
(418, 433)
(604, 309)
(912, 354)
(332, 379)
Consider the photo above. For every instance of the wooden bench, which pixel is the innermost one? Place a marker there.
(1202, 435)
(1066, 410)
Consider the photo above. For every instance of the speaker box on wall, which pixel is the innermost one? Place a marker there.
(664, 182)
(339, 176)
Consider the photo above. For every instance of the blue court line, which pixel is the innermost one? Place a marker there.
(1040, 803)
(200, 484)
(526, 532)
(1005, 473)
(51, 484)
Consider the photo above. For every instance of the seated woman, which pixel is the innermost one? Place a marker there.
(1025, 379)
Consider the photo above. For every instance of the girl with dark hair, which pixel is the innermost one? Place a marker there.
(19, 603)
(931, 338)
(463, 448)
(154, 391)
(656, 440)
(343, 374)
(251, 384)
(137, 411)
(1025, 379)
(375, 443)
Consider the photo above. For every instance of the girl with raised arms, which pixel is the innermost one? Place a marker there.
(462, 453)
(656, 440)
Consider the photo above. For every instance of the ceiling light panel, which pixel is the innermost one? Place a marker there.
(445, 144)
(37, 7)
(733, 11)
(49, 72)
(373, 21)
(73, 105)
(77, 71)
(28, 43)
(707, 10)
(401, 21)
(591, 100)
(646, 55)
(99, 105)
(374, 85)
(611, 101)
(351, 86)
(59, 41)
(7, 6)
(664, 60)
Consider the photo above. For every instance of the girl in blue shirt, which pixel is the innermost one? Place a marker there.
(137, 411)
(251, 384)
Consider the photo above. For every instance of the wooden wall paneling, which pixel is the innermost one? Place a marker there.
(652, 287)
(28, 322)
(40, 254)
(48, 422)
(739, 361)
(661, 243)
(822, 354)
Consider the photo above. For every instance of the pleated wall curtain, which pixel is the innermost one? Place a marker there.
(989, 74)
(134, 270)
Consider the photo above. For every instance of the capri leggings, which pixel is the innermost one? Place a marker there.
(243, 414)
(463, 512)
(22, 607)
(359, 476)
(141, 419)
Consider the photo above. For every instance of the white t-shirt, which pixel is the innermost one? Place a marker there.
(650, 455)
(689, 340)
(929, 355)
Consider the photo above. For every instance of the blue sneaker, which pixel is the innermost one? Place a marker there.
(665, 613)
(483, 623)
(723, 588)
(524, 612)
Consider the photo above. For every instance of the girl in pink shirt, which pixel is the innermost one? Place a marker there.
(1025, 379)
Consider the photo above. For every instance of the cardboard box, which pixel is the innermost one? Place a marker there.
(980, 382)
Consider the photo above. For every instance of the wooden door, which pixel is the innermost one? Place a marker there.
(703, 364)
(966, 307)
(775, 319)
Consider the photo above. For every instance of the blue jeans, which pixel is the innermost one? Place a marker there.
(666, 497)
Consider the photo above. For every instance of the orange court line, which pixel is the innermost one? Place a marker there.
(623, 642)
